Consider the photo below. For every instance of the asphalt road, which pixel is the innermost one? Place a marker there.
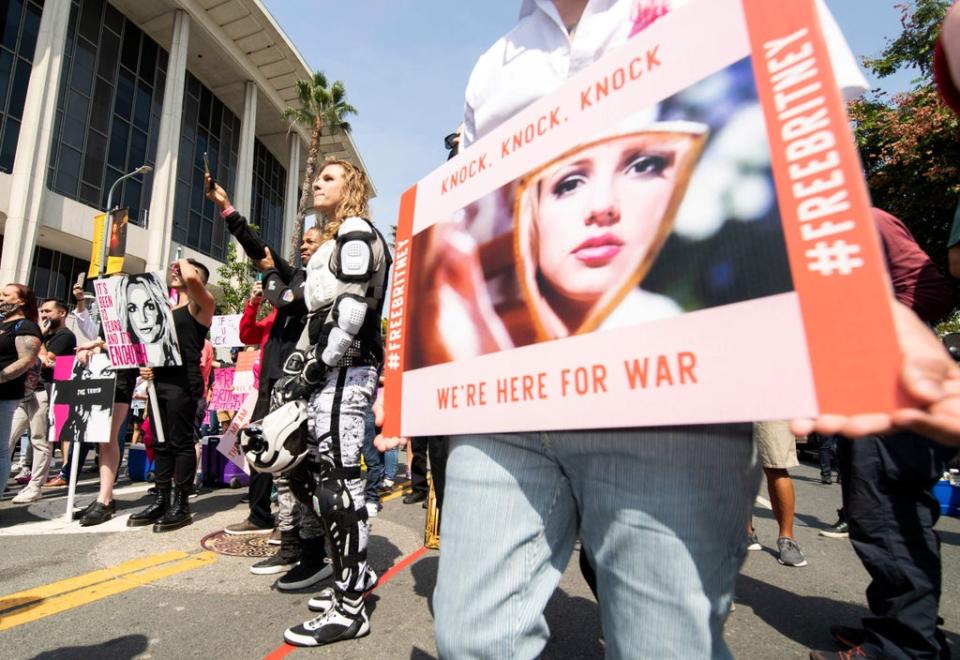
(212, 607)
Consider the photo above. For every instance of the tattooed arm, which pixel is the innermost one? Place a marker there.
(28, 347)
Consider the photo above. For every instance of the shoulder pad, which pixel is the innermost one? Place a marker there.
(354, 225)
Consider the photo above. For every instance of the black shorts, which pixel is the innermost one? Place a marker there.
(126, 382)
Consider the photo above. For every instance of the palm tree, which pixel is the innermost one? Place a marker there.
(321, 105)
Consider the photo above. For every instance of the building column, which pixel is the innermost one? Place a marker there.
(291, 196)
(248, 131)
(33, 146)
(160, 219)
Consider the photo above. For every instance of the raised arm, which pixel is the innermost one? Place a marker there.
(249, 240)
(202, 304)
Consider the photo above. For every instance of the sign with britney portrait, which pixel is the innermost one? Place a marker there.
(137, 321)
(679, 234)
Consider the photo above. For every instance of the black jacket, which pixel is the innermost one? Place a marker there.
(283, 287)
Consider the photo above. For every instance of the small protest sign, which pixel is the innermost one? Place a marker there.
(222, 396)
(228, 441)
(81, 402)
(225, 331)
(244, 380)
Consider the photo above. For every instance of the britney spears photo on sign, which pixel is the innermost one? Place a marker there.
(677, 235)
(137, 321)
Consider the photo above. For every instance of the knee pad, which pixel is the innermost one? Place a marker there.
(333, 501)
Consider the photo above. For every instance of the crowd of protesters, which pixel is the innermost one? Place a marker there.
(662, 514)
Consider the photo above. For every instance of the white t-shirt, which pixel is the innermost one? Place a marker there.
(537, 56)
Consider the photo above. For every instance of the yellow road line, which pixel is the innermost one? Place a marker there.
(398, 493)
(88, 579)
(33, 604)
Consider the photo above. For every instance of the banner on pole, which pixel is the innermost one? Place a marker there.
(118, 243)
(680, 234)
(81, 401)
(137, 321)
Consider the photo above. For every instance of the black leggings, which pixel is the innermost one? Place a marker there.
(176, 457)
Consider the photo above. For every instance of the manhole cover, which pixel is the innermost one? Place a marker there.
(249, 545)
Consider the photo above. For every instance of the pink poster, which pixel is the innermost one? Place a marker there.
(223, 396)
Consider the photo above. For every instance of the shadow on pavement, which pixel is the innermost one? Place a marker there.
(804, 619)
(381, 553)
(420, 654)
(424, 574)
(950, 538)
(810, 521)
(120, 648)
(575, 629)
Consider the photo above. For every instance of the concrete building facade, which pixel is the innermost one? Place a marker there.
(92, 89)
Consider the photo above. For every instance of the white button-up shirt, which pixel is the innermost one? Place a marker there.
(538, 55)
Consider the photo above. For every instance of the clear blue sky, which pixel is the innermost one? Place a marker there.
(405, 64)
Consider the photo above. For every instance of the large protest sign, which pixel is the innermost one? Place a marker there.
(679, 234)
(118, 243)
(225, 331)
(137, 321)
(81, 403)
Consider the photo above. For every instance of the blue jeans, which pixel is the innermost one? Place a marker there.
(374, 460)
(7, 408)
(390, 460)
(661, 514)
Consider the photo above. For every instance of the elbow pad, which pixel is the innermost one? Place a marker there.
(349, 313)
(355, 239)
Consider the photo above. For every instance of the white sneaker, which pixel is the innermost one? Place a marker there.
(373, 509)
(27, 495)
(335, 625)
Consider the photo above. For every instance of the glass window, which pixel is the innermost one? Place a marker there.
(118, 143)
(195, 222)
(19, 24)
(107, 82)
(100, 112)
(54, 273)
(6, 69)
(11, 24)
(8, 147)
(31, 28)
(90, 13)
(93, 159)
(269, 182)
(68, 173)
(18, 92)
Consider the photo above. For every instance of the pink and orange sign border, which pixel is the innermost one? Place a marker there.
(777, 357)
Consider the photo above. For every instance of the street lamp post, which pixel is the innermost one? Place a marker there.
(104, 255)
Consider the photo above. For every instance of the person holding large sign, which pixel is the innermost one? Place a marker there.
(660, 511)
(179, 388)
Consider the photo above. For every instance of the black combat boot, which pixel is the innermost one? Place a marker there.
(178, 515)
(153, 513)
